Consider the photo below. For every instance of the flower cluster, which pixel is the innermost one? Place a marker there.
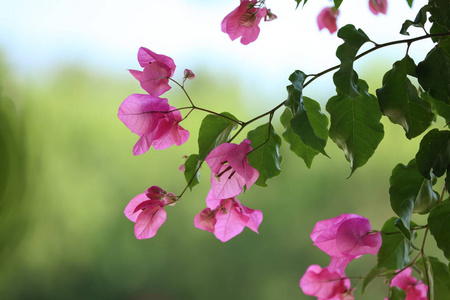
(415, 290)
(343, 238)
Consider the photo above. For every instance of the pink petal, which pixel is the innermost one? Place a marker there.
(352, 238)
(136, 74)
(148, 222)
(205, 220)
(155, 79)
(255, 217)
(155, 192)
(228, 185)
(323, 284)
(219, 155)
(146, 56)
(229, 221)
(327, 19)
(130, 208)
(339, 263)
(212, 202)
(378, 6)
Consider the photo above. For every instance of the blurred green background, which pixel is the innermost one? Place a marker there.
(69, 171)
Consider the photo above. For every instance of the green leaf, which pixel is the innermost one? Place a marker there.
(434, 71)
(434, 153)
(440, 107)
(400, 102)
(346, 79)
(295, 91)
(374, 273)
(439, 224)
(419, 21)
(397, 294)
(439, 275)
(440, 12)
(191, 174)
(266, 158)
(300, 1)
(214, 131)
(410, 2)
(311, 125)
(337, 3)
(296, 145)
(355, 125)
(394, 251)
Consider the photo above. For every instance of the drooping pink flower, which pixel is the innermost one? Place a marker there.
(230, 169)
(345, 238)
(327, 19)
(415, 290)
(378, 6)
(325, 284)
(154, 120)
(227, 218)
(154, 78)
(147, 211)
(243, 22)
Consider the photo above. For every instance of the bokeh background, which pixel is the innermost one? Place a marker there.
(67, 170)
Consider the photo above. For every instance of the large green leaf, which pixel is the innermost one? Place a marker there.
(441, 108)
(266, 158)
(374, 273)
(295, 91)
(400, 102)
(419, 21)
(439, 275)
(440, 12)
(355, 125)
(434, 72)
(394, 251)
(346, 79)
(296, 145)
(191, 173)
(214, 131)
(311, 125)
(439, 225)
(434, 153)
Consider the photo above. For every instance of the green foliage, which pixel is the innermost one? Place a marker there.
(439, 224)
(441, 108)
(214, 131)
(191, 170)
(434, 153)
(296, 145)
(300, 1)
(355, 125)
(439, 275)
(346, 79)
(400, 102)
(434, 71)
(397, 294)
(419, 21)
(374, 273)
(394, 252)
(440, 13)
(295, 91)
(337, 3)
(265, 156)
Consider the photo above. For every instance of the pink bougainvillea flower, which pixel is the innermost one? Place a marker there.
(154, 120)
(188, 74)
(325, 284)
(154, 78)
(227, 218)
(270, 16)
(243, 22)
(230, 169)
(345, 238)
(415, 290)
(327, 19)
(378, 6)
(147, 211)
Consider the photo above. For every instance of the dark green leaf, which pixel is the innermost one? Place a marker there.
(300, 1)
(191, 173)
(296, 145)
(434, 72)
(337, 3)
(214, 131)
(266, 158)
(400, 102)
(402, 228)
(397, 294)
(311, 125)
(295, 91)
(410, 2)
(439, 275)
(439, 224)
(394, 251)
(434, 153)
(440, 107)
(355, 125)
(419, 21)
(346, 79)
(440, 12)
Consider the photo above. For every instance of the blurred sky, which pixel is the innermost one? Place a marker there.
(37, 36)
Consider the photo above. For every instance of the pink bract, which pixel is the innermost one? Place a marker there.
(230, 169)
(157, 70)
(378, 6)
(325, 284)
(345, 238)
(149, 117)
(243, 22)
(227, 218)
(327, 19)
(415, 290)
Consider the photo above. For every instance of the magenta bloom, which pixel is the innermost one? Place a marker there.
(243, 22)
(415, 290)
(148, 117)
(325, 284)
(230, 169)
(158, 69)
(227, 218)
(327, 19)
(378, 6)
(147, 211)
(345, 238)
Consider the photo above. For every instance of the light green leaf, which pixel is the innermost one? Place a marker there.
(394, 251)
(191, 173)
